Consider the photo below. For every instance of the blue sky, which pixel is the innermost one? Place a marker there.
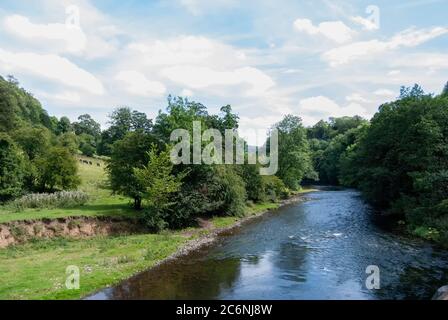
(314, 59)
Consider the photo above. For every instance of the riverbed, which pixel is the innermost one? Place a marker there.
(317, 249)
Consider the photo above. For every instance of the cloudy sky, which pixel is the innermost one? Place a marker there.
(311, 58)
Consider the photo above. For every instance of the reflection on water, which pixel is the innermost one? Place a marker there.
(314, 250)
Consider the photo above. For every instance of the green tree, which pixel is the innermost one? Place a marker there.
(63, 126)
(33, 140)
(128, 154)
(158, 183)
(57, 169)
(294, 156)
(12, 169)
(87, 125)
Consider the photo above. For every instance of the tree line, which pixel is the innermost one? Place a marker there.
(398, 159)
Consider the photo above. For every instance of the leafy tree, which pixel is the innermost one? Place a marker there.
(321, 131)
(86, 125)
(20, 108)
(294, 157)
(343, 124)
(122, 121)
(33, 140)
(128, 154)
(12, 169)
(158, 183)
(57, 169)
(87, 144)
(69, 140)
(63, 126)
(140, 122)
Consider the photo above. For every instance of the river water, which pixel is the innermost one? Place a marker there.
(317, 249)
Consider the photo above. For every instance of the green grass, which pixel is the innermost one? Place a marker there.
(94, 183)
(37, 270)
(224, 222)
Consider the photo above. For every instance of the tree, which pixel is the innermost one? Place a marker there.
(87, 144)
(158, 183)
(12, 169)
(140, 122)
(57, 169)
(122, 121)
(126, 155)
(294, 156)
(445, 90)
(33, 140)
(63, 126)
(86, 125)
(321, 131)
(69, 140)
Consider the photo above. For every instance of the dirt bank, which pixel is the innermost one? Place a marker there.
(80, 227)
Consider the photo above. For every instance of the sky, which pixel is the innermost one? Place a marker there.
(311, 58)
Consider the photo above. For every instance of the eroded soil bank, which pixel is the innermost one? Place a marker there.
(19, 232)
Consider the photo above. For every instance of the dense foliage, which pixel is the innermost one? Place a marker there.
(399, 159)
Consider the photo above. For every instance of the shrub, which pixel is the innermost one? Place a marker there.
(63, 199)
(275, 188)
(230, 191)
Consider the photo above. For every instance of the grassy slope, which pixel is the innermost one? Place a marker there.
(37, 270)
(102, 203)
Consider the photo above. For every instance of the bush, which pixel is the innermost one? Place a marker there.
(153, 219)
(63, 199)
(275, 188)
(230, 191)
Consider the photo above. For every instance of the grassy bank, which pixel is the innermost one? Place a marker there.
(36, 270)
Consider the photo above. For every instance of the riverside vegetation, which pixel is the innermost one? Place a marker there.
(398, 160)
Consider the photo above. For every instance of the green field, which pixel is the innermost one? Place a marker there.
(102, 202)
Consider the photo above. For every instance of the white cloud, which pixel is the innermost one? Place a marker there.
(72, 38)
(316, 108)
(65, 96)
(137, 83)
(384, 93)
(370, 49)
(367, 24)
(336, 31)
(187, 93)
(198, 77)
(394, 72)
(52, 67)
(434, 61)
(356, 97)
(187, 50)
(197, 7)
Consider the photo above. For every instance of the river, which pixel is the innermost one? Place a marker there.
(317, 249)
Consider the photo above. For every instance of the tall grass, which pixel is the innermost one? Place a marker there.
(62, 199)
